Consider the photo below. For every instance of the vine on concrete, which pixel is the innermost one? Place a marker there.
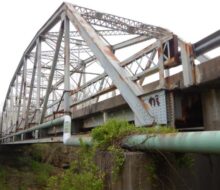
(84, 173)
(157, 169)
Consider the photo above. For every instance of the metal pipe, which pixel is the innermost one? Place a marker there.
(48, 124)
(67, 138)
(198, 142)
(77, 140)
(206, 44)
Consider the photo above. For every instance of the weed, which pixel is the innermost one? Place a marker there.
(112, 132)
(3, 180)
(83, 174)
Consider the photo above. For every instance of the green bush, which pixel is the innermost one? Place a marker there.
(112, 132)
(3, 181)
(83, 174)
(42, 172)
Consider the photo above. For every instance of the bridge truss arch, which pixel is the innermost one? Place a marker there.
(81, 57)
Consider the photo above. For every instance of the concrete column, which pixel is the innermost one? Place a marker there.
(211, 109)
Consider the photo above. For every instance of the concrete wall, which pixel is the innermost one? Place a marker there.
(205, 174)
(202, 175)
(211, 109)
(133, 176)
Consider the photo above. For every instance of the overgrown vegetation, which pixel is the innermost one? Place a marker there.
(25, 173)
(161, 164)
(84, 174)
(109, 136)
(35, 172)
(112, 132)
(3, 181)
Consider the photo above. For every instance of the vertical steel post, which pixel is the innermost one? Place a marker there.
(99, 89)
(15, 109)
(161, 66)
(16, 98)
(1, 123)
(5, 120)
(149, 62)
(24, 108)
(7, 116)
(38, 80)
(186, 63)
(20, 94)
(66, 65)
(81, 77)
(31, 87)
(55, 58)
(11, 109)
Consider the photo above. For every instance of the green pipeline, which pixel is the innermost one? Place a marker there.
(198, 142)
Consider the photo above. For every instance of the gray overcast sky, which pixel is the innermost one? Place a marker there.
(20, 20)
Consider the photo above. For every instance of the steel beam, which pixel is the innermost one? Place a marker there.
(149, 62)
(66, 65)
(101, 33)
(130, 25)
(38, 52)
(45, 28)
(111, 65)
(16, 100)
(203, 58)
(31, 89)
(24, 88)
(153, 47)
(38, 80)
(187, 64)
(161, 66)
(131, 42)
(49, 86)
(11, 110)
(115, 22)
(121, 45)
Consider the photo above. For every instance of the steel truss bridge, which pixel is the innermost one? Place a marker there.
(90, 66)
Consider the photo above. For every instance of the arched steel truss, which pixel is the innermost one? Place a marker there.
(81, 57)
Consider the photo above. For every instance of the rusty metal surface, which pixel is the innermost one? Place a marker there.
(174, 83)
